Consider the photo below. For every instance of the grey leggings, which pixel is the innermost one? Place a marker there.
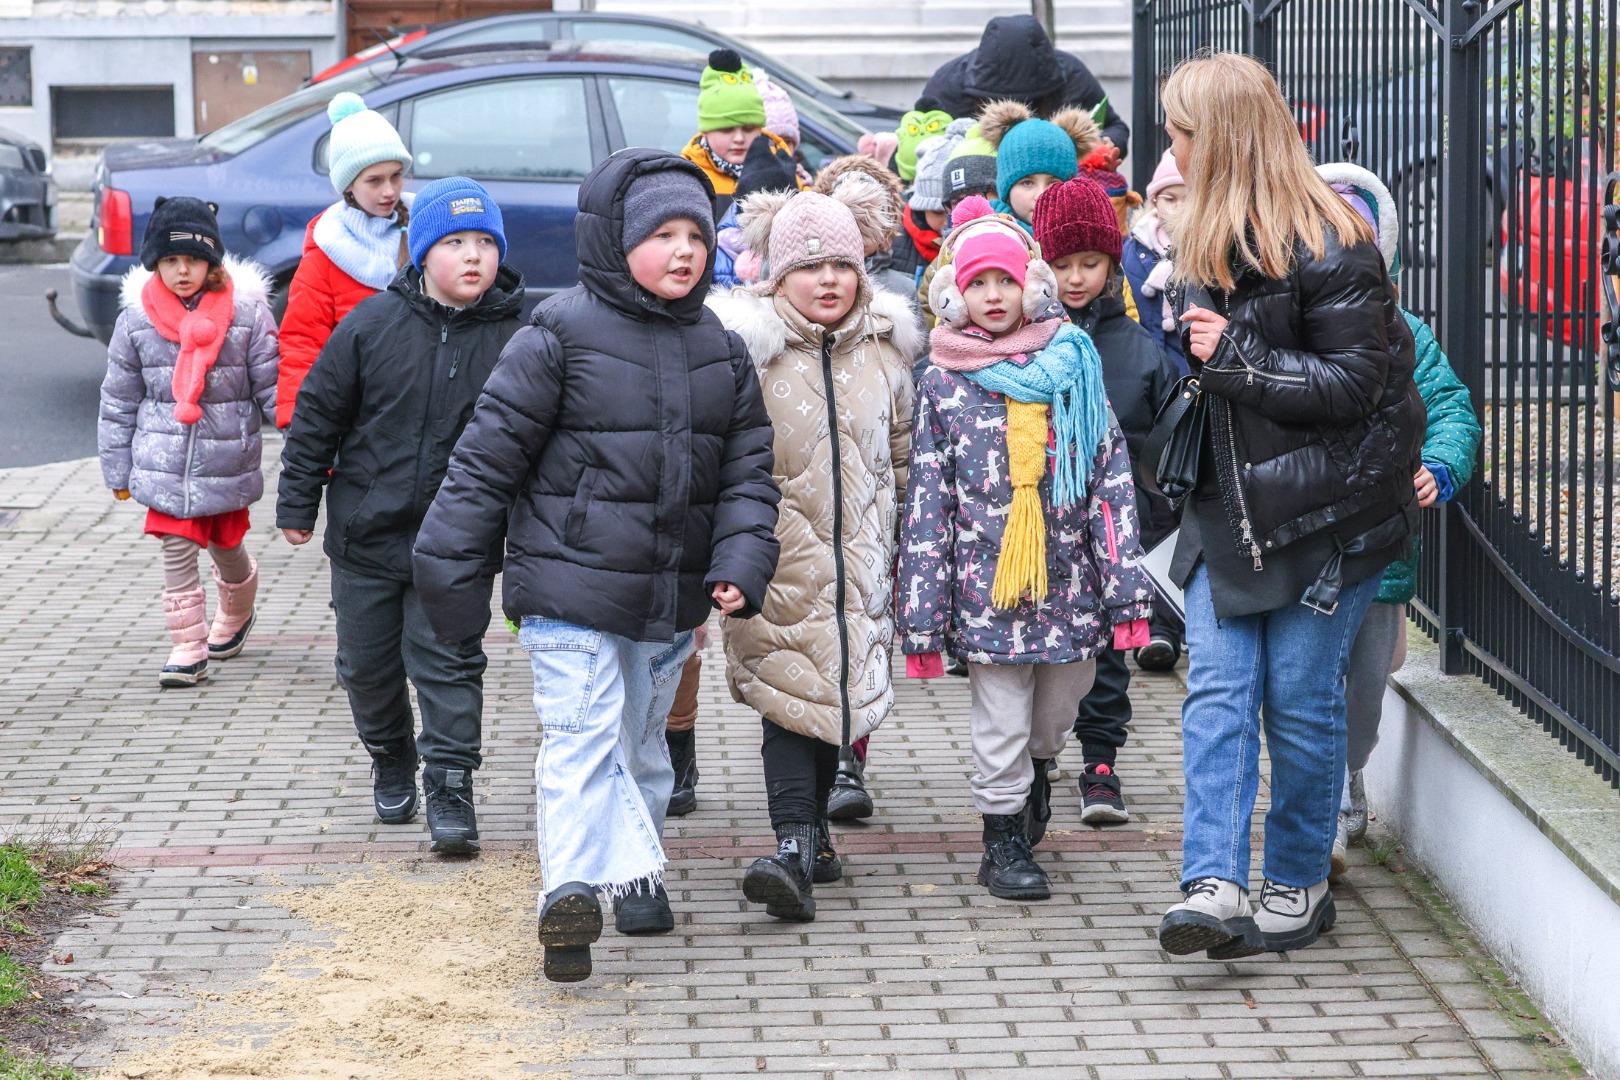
(180, 563)
(1380, 649)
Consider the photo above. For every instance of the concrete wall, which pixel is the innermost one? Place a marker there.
(1522, 839)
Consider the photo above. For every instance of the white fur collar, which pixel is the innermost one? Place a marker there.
(250, 283)
(1369, 185)
(753, 318)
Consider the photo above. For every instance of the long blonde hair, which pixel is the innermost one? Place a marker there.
(1252, 191)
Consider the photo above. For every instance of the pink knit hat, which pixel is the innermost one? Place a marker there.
(781, 118)
(990, 245)
(1166, 175)
(811, 228)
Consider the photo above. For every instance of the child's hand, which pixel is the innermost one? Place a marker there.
(1204, 329)
(1428, 488)
(296, 537)
(121, 494)
(727, 597)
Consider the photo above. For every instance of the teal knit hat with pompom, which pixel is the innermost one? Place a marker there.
(360, 139)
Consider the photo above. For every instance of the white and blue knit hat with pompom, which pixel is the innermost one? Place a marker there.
(360, 139)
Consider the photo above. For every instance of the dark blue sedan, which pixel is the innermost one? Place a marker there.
(529, 124)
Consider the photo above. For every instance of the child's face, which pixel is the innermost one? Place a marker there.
(1024, 193)
(1082, 277)
(460, 268)
(995, 301)
(670, 261)
(377, 189)
(823, 293)
(732, 143)
(1166, 201)
(183, 275)
(937, 219)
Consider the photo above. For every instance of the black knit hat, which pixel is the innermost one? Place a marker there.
(181, 226)
(766, 168)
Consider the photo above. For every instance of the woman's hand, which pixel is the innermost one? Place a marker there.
(1428, 488)
(727, 597)
(296, 537)
(1204, 329)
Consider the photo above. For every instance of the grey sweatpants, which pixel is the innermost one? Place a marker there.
(1020, 712)
(1378, 652)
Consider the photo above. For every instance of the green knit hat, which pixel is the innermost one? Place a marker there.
(974, 145)
(727, 96)
(926, 119)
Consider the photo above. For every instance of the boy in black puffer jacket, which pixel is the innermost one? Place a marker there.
(1078, 230)
(374, 423)
(623, 447)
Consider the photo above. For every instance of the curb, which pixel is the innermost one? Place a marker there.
(58, 249)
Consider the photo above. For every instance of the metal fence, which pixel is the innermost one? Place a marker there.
(1494, 126)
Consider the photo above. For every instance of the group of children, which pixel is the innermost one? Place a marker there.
(794, 451)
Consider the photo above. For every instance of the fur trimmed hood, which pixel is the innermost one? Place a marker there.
(250, 282)
(753, 318)
(1376, 193)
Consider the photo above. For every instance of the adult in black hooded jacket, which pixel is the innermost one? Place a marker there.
(1015, 60)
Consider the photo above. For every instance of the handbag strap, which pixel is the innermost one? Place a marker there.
(1170, 416)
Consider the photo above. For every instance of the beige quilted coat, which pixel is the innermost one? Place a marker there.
(785, 663)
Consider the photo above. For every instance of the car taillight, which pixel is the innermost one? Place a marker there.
(115, 223)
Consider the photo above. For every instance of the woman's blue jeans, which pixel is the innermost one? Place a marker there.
(1284, 670)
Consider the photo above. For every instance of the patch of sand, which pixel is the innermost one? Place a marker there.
(430, 972)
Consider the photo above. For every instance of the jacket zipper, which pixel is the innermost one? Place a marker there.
(1246, 529)
(838, 534)
(1274, 376)
(185, 487)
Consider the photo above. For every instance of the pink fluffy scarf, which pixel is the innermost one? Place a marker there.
(973, 349)
(199, 333)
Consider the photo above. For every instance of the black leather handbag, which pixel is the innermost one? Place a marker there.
(1176, 444)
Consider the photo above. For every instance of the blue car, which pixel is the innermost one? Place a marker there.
(528, 123)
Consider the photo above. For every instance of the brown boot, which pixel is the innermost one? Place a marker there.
(186, 614)
(235, 616)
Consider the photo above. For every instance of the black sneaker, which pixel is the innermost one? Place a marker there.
(450, 816)
(1100, 800)
(849, 800)
(683, 756)
(828, 867)
(570, 924)
(784, 882)
(393, 781)
(1159, 654)
(645, 911)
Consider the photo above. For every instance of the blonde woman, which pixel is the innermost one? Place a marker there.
(1315, 429)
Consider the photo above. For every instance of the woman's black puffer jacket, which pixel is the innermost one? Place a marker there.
(1314, 415)
(624, 445)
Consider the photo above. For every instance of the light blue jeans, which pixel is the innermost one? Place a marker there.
(602, 778)
(1284, 669)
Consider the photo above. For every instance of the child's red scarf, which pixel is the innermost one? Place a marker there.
(200, 334)
(925, 240)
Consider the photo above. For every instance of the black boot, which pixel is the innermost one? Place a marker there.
(782, 882)
(1040, 801)
(683, 755)
(393, 780)
(570, 923)
(450, 816)
(828, 867)
(1009, 868)
(645, 911)
(849, 800)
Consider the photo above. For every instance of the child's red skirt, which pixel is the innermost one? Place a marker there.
(222, 530)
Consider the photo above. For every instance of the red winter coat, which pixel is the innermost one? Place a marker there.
(319, 297)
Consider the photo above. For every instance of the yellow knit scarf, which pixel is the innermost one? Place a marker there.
(1022, 569)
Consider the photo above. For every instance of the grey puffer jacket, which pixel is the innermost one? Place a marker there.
(189, 470)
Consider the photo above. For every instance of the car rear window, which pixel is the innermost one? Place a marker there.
(256, 127)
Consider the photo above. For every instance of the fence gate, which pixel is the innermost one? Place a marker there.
(1494, 126)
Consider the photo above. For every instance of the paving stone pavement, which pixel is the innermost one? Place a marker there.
(254, 782)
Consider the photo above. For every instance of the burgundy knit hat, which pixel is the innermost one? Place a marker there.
(1076, 215)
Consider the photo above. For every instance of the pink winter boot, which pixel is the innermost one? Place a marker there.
(187, 616)
(235, 617)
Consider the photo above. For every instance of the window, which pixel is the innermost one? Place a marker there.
(112, 112)
(256, 127)
(16, 76)
(11, 157)
(655, 112)
(514, 129)
(611, 30)
(512, 31)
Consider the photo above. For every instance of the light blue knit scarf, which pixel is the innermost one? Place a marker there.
(364, 247)
(1066, 376)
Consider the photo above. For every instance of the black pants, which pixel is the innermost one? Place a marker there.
(799, 773)
(383, 640)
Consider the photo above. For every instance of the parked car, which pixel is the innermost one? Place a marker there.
(612, 30)
(529, 123)
(27, 192)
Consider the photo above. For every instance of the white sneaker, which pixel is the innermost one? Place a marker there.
(1215, 915)
(1339, 863)
(1289, 918)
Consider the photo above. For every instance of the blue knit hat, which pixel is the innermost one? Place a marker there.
(360, 139)
(452, 205)
(1026, 145)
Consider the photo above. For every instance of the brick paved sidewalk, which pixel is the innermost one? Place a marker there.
(224, 798)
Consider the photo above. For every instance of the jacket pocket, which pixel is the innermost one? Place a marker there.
(574, 526)
(353, 517)
(666, 668)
